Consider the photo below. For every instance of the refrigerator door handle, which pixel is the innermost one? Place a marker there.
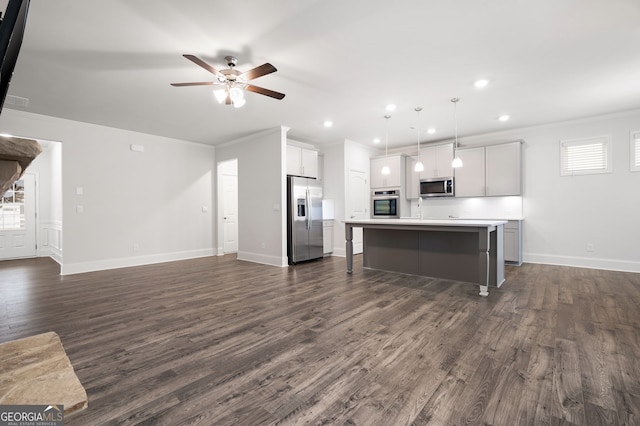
(308, 209)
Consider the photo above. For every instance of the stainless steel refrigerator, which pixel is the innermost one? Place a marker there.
(304, 219)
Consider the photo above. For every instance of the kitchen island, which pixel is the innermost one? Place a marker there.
(455, 249)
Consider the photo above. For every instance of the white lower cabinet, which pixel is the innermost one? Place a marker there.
(513, 242)
(327, 237)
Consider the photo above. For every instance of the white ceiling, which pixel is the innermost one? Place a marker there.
(111, 63)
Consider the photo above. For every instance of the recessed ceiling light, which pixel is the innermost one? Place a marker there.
(431, 131)
(481, 83)
(504, 118)
(390, 107)
(376, 140)
(328, 123)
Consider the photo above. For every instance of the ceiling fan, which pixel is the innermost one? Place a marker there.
(233, 82)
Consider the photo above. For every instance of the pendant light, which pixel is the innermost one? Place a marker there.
(385, 169)
(457, 162)
(419, 167)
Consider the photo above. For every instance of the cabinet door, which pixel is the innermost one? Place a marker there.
(302, 162)
(293, 160)
(510, 245)
(503, 169)
(411, 180)
(393, 179)
(513, 242)
(320, 174)
(469, 179)
(437, 161)
(428, 156)
(444, 158)
(309, 162)
(327, 236)
(376, 175)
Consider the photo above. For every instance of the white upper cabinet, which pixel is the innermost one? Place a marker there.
(302, 161)
(469, 179)
(493, 170)
(437, 161)
(393, 179)
(503, 169)
(411, 180)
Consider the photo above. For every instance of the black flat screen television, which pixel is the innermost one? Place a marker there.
(11, 34)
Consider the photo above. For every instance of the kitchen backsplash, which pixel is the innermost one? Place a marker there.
(469, 208)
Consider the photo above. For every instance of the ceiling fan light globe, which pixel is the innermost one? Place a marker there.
(220, 95)
(239, 103)
(419, 167)
(236, 94)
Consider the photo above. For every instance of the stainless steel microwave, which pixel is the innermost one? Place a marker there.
(437, 187)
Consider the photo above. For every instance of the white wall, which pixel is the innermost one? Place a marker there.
(334, 189)
(138, 207)
(564, 214)
(338, 160)
(262, 211)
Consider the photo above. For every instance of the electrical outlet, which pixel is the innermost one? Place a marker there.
(263, 245)
(136, 247)
(590, 247)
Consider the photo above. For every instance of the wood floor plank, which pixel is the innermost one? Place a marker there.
(220, 341)
(567, 382)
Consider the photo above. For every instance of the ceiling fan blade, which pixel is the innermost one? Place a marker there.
(263, 69)
(196, 83)
(203, 64)
(264, 91)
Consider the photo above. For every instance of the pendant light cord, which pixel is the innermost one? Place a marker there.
(418, 109)
(455, 118)
(386, 143)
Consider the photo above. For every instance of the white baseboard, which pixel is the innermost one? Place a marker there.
(583, 262)
(125, 262)
(342, 251)
(55, 256)
(339, 252)
(262, 258)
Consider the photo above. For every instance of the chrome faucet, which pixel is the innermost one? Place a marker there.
(420, 207)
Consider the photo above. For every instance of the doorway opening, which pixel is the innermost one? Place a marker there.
(228, 207)
(32, 209)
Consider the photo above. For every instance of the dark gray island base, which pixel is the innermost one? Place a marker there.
(455, 249)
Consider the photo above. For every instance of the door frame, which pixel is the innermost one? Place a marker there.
(220, 204)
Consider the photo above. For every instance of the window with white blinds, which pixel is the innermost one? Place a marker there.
(635, 151)
(585, 156)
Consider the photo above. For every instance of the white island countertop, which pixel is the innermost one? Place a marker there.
(428, 222)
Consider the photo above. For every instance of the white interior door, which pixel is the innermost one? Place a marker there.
(229, 201)
(357, 204)
(18, 219)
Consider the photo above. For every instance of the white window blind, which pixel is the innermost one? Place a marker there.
(635, 151)
(585, 156)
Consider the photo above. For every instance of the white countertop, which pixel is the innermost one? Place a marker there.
(429, 222)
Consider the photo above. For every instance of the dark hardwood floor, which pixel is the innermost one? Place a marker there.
(216, 341)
